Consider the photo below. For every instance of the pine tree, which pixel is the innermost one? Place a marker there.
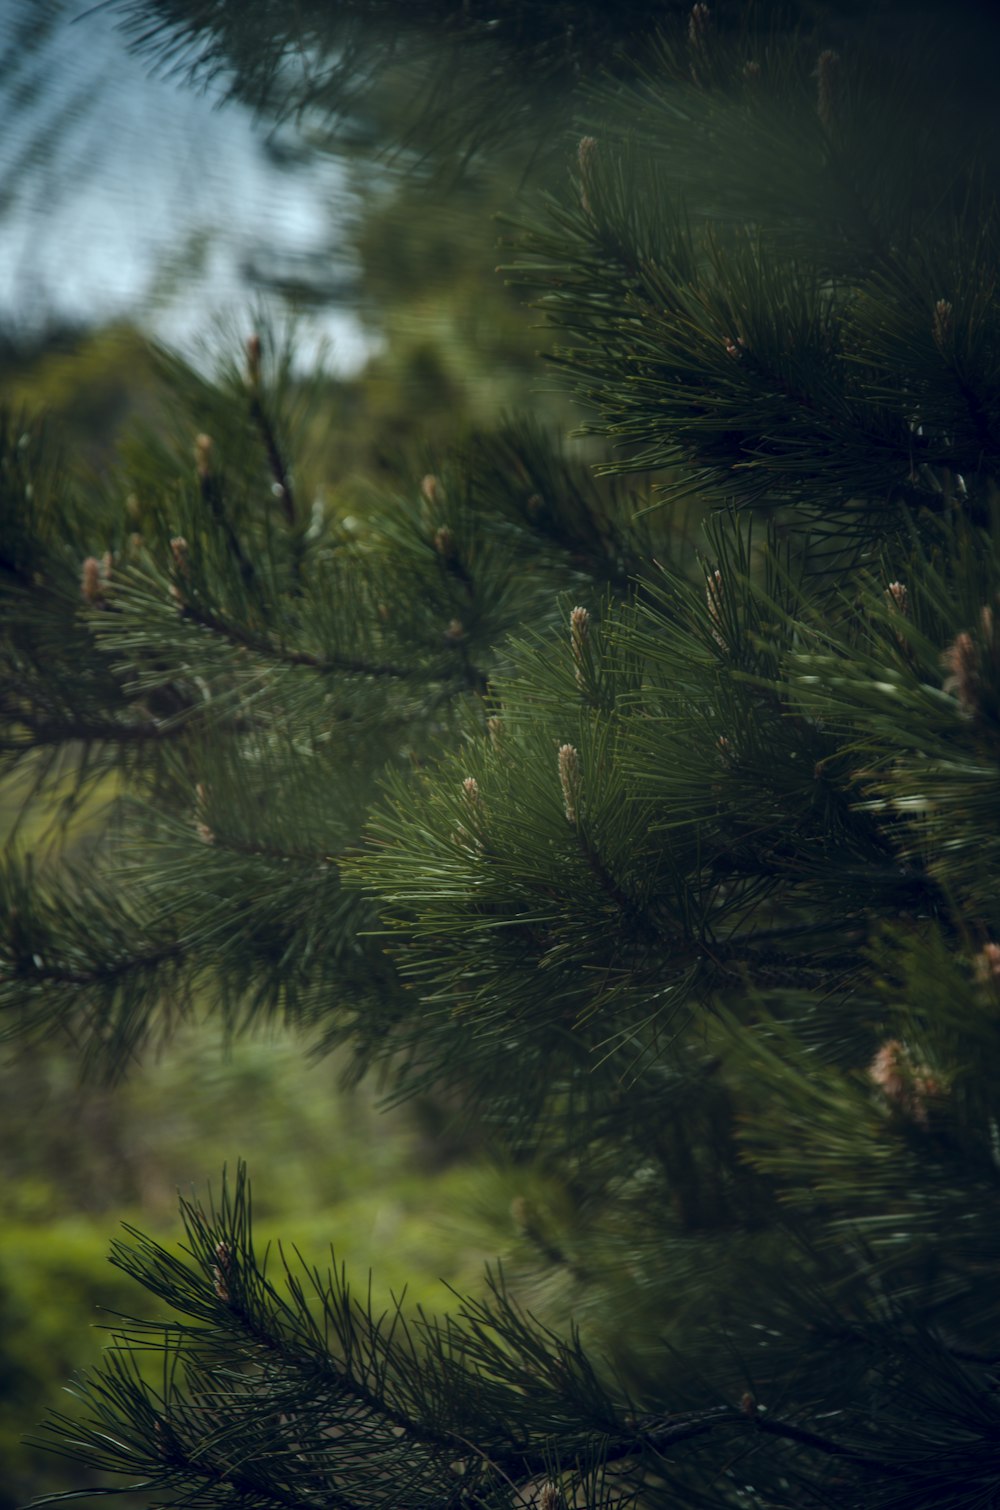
(669, 851)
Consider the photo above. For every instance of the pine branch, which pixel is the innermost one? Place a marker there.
(240, 635)
(53, 731)
(334, 1402)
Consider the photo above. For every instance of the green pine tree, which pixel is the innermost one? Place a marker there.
(668, 854)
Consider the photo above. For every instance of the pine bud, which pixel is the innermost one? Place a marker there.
(203, 455)
(444, 543)
(494, 728)
(961, 660)
(987, 964)
(569, 780)
(550, 1497)
(898, 599)
(585, 154)
(179, 551)
(941, 325)
(473, 801)
(579, 628)
(898, 603)
(220, 1271)
(201, 828)
(698, 28)
(906, 1086)
(698, 24)
(91, 585)
(751, 69)
(748, 1404)
(827, 75)
(430, 489)
(885, 1069)
(455, 631)
(714, 600)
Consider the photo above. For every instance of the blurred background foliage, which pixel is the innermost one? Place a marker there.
(451, 349)
(392, 1189)
(79, 1157)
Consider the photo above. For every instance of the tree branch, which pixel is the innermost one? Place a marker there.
(237, 634)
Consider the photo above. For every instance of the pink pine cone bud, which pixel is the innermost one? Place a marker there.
(569, 781)
(906, 1086)
(585, 155)
(960, 660)
(987, 964)
(91, 584)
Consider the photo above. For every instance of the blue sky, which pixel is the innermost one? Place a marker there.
(148, 200)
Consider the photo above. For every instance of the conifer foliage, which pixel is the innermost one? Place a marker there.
(671, 856)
